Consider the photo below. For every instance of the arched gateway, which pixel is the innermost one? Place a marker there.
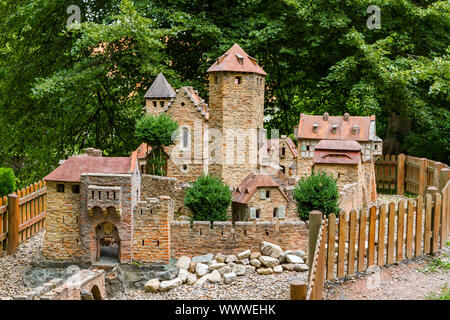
(108, 242)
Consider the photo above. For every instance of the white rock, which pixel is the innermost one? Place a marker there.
(300, 267)
(270, 249)
(183, 263)
(255, 262)
(212, 262)
(170, 284)
(201, 269)
(255, 255)
(288, 266)
(202, 280)
(249, 269)
(239, 270)
(223, 270)
(243, 261)
(229, 277)
(278, 269)
(216, 266)
(183, 275)
(244, 254)
(231, 258)
(300, 253)
(291, 258)
(283, 256)
(220, 258)
(232, 265)
(203, 259)
(215, 277)
(264, 270)
(269, 262)
(191, 279)
(152, 285)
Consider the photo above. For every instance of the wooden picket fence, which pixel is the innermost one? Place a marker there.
(317, 273)
(22, 214)
(388, 234)
(411, 174)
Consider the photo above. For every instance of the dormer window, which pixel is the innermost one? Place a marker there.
(334, 128)
(355, 129)
(315, 127)
(240, 58)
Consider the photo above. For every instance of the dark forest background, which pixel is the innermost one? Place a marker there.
(59, 93)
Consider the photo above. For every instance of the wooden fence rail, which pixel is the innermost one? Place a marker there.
(387, 234)
(22, 214)
(411, 174)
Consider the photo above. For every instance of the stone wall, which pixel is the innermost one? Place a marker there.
(228, 239)
(155, 186)
(62, 237)
(151, 238)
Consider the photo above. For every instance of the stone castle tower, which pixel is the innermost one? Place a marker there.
(236, 108)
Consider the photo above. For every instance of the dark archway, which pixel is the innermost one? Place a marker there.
(96, 293)
(108, 242)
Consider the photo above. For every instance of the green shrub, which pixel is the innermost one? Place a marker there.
(316, 192)
(157, 132)
(208, 199)
(7, 181)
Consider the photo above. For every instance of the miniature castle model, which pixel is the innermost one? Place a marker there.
(97, 203)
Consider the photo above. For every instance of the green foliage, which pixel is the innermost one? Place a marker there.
(316, 192)
(208, 199)
(436, 264)
(7, 181)
(157, 132)
(443, 295)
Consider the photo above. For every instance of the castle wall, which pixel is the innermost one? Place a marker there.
(155, 186)
(151, 237)
(62, 237)
(224, 238)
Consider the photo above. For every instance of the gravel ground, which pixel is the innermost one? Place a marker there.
(11, 267)
(253, 287)
(403, 281)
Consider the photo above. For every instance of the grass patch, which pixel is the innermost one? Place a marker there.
(436, 264)
(443, 295)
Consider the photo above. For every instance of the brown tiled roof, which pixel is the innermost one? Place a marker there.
(72, 168)
(337, 152)
(247, 188)
(237, 60)
(344, 130)
(289, 142)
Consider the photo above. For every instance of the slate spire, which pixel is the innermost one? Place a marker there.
(160, 88)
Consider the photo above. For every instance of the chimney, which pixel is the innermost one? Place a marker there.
(325, 116)
(92, 152)
(346, 116)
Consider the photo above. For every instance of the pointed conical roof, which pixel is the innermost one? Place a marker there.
(237, 60)
(160, 88)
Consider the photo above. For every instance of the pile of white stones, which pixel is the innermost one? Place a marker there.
(225, 268)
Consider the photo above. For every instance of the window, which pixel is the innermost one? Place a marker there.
(161, 103)
(59, 187)
(283, 169)
(283, 151)
(99, 194)
(154, 104)
(307, 148)
(185, 136)
(76, 188)
(107, 194)
(275, 212)
(267, 194)
(184, 168)
(93, 195)
(258, 213)
(182, 104)
(216, 79)
(237, 80)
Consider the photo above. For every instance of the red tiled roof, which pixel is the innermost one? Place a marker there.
(237, 60)
(337, 152)
(247, 188)
(344, 130)
(72, 168)
(140, 153)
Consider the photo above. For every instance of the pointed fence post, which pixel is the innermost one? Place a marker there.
(13, 223)
(315, 221)
(401, 174)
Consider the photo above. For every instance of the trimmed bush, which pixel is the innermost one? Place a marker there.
(208, 199)
(7, 181)
(317, 192)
